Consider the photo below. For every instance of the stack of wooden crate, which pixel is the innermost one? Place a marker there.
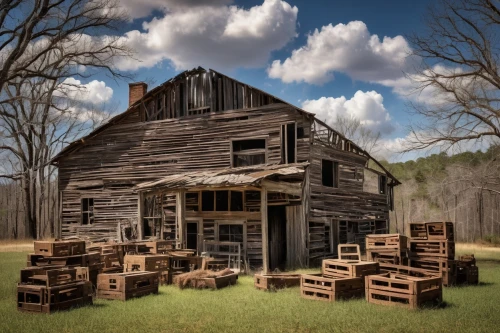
(403, 290)
(387, 248)
(70, 253)
(159, 263)
(467, 271)
(339, 279)
(46, 289)
(123, 286)
(432, 247)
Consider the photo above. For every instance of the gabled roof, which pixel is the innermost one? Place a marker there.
(75, 145)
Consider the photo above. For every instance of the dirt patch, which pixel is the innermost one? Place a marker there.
(16, 246)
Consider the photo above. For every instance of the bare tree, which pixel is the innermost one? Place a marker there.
(354, 130)
(43, 42)
(459, 81)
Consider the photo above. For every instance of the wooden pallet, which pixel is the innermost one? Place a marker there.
(319, 287)
(445, 267)
(42, 299)
(418, 230)
(349, 252)
(348, 268)
(440, 231)
(432, 248)
(59, 248)
(123, 286)
(401, 290)
(386, 242)
(217, 282)
(276, 281)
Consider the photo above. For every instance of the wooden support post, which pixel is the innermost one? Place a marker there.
(180, 210)
(162, 221)
(265, 238)
(140, 215)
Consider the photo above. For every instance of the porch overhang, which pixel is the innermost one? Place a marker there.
(283, 178)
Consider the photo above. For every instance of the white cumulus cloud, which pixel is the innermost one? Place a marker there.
(368, 107)
(217, 36)
(345, 48)
(95, 91)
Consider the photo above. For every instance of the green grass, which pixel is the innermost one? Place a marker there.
(241, 308)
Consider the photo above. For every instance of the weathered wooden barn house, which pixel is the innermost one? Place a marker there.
(210, 162)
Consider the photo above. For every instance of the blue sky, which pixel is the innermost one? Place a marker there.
(243, 39)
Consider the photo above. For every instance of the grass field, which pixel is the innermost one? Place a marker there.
(241, 308)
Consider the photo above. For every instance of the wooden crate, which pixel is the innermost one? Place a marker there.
(468, 275)
(406, 270)
(349, 252)
(217, 282)
(466, 260)
(432, 248)
(445, 267)
(386, 242)
(48, 276)
(390, 257)
(418, 230)
(42, 299)
(402, 290)
(160, 246)
(81, 260)
(59, 248)
(146, 262)
(318, 287)
(440, 231)
(348, 268)
(123, 286)
(276, 281)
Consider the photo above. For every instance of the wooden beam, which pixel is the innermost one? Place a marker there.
(180, 211)
(265, 238)
(140, 214)
(283, 187)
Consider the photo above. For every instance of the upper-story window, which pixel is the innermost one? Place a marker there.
(382, 184)
(329, 173)
(87, 208)
(248, 152)
(289, 143)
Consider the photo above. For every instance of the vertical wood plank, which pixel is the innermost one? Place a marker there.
(265, 236)
(180, 210)
(140, 215)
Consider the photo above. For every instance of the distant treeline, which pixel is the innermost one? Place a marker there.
(463, 188)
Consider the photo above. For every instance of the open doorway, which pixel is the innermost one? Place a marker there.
(276, 216)
(192, 235)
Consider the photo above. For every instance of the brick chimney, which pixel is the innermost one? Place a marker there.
(136, 91)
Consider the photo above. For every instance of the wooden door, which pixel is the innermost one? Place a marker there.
(277, 237)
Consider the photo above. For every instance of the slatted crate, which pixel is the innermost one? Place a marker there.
(349, 252)
(440, 231)
(82, 260)
(329, 289)
(445, 267)
(276, 281)
(123, 286)
(48, 276)
(406, 270)
(59, 248)
(432, 248)
(390, 257)
(466, 260)
(386, 242)
(160, 263)
(42, 299)
(418, 230)
(348, 268)
(402, 290)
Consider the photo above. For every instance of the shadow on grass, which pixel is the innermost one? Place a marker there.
(97, 305)
(480, 284)
(437, 306)
(488, 261)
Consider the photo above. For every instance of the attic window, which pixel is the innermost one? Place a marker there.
(248, 152)
(382, 184)
(329, 173)
(288, 143)
(87, 207)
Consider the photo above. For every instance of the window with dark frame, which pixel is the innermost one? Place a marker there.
(329, 173)
(382, 184)
(87, 207)
(248, 152)
(231, 233)
(221, 201)
(288, 143)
